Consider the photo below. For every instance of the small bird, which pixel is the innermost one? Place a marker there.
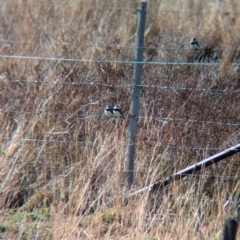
(117, 112)
(194, 44)
(108, 111)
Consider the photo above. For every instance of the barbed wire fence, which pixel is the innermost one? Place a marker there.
(129, 62)
(232, 223)
(92, 82)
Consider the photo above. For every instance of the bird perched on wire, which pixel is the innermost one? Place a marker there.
(194, 44)
(117, 112)
(108, 111)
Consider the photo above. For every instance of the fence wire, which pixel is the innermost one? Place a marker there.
(66, 59)
(120, 7)
(92, 169)
(143, 85)
(150, 118)
(140, 143)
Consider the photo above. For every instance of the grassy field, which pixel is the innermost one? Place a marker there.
(62, 161)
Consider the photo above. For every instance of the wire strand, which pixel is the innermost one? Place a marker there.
(120, 61)
(143, 85)
(141, 143)
(165, 119)
(225, 177)
(122, 7)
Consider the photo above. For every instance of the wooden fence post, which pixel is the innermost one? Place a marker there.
(231, 225)
(142, 7)
(230, 229)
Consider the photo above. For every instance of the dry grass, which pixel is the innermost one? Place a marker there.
(68, 182)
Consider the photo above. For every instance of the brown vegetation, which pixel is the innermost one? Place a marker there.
(62, 161)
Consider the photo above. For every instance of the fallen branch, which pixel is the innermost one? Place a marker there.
(189, 170)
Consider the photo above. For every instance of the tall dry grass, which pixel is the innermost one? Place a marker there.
(62, 169)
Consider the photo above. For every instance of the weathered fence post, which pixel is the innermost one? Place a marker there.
(230, 229)
(231, 225)
(142, 7)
